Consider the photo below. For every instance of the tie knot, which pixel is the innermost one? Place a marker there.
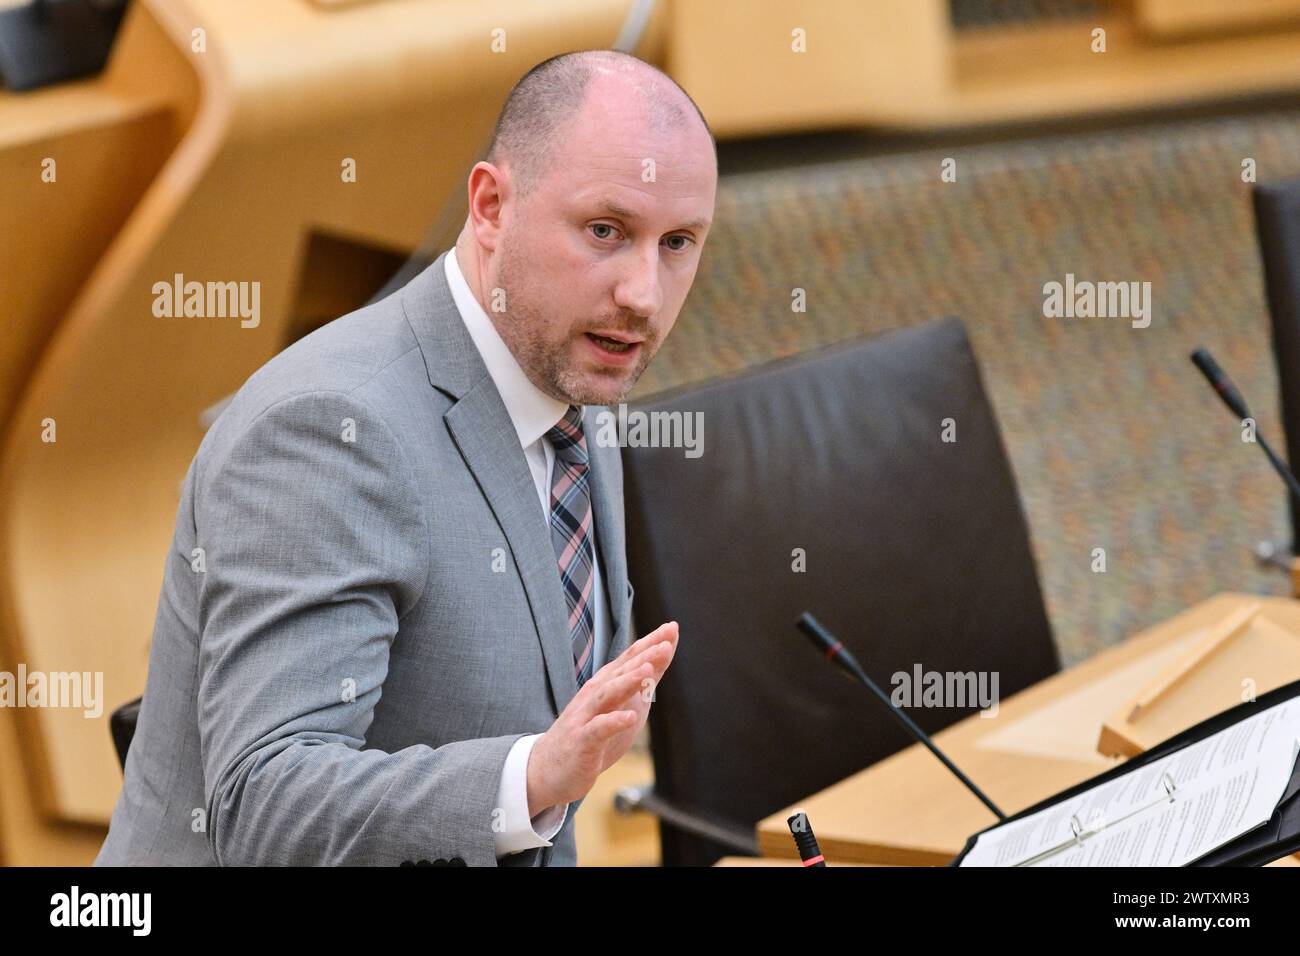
(567, 438)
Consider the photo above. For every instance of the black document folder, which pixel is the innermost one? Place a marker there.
(1272, 841)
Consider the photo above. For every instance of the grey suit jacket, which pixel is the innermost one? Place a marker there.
(361, 610)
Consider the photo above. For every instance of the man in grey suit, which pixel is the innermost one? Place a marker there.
(395, 619)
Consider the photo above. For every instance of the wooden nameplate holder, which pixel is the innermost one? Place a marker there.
(1242, 656)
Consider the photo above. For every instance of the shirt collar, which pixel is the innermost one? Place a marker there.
(532, 411)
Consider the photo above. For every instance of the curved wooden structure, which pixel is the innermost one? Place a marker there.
(253, 191)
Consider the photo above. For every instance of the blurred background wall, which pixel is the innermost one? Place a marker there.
(899, 160)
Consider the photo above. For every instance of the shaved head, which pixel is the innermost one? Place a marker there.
(549, 97)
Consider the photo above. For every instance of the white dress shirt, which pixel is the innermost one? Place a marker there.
(533, 413)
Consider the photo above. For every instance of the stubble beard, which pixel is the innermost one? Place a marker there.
(551, 365)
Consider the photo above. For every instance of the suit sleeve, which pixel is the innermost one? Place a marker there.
(314, 547)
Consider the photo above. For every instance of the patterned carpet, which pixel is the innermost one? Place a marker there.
(1116, 441)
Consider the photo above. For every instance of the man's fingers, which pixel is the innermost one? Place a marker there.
(659, 653)
(615, 691)
(648, 648)
(636, 647)
(657, 656)
(601, 728)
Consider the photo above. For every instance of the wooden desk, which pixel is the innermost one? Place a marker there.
(783, 861)
(908, 810)
(773, 861)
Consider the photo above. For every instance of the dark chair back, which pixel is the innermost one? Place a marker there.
(825, 484)
(1277, 224)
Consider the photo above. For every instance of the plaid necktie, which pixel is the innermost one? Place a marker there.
(571, 534)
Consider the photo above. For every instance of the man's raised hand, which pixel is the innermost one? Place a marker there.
(599, 723)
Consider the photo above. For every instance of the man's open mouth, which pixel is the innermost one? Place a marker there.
(609, 344)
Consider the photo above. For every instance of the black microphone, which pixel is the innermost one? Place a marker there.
(1232, 398)
(1218, 378)
(839, 655)
(804, 839)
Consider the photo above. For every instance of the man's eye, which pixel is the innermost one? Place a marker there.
(687, 240)
(602, 225)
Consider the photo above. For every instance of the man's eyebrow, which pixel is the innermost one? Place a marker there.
(617, 209)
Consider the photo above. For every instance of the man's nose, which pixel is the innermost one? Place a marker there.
(639, 291)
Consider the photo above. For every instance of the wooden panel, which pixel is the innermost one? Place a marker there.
(27, 837)
(343, 4)
(1180, 17)
(1051, 71)
(102, 170)
(899, 64)
(109, 136)
(874, 62)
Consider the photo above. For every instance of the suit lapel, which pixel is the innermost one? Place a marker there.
(487, 441)
(481, 429)
(606, 481)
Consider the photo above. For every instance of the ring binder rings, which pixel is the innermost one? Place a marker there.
(1275, 839)
(1081, 833)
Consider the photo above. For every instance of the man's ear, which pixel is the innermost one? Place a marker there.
(488, 188)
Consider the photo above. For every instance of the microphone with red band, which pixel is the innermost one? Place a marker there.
(835, 651)
(1222, 384)
(804, 839)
